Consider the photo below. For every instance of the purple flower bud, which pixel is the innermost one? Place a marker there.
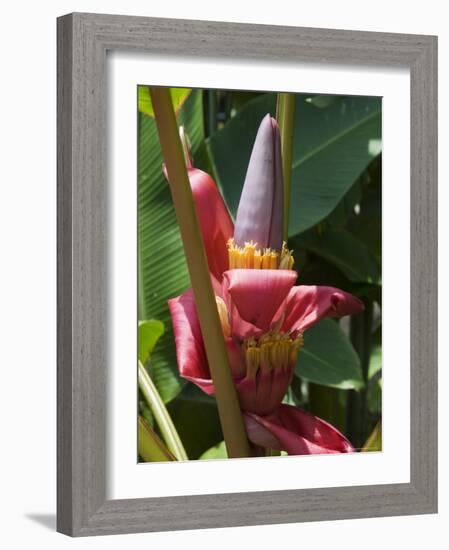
(260, 212)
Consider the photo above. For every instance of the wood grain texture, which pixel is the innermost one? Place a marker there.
(83, 40)
(64, 275)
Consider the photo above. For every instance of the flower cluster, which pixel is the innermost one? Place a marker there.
(262, 313)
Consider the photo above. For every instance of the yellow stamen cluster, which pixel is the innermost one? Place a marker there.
(274, 350)
(251, 257)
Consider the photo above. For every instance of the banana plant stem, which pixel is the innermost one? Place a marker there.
(285, 115)
(161, 415)
(151, 448)
(227, 402)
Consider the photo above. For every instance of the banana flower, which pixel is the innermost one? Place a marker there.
(262, 313)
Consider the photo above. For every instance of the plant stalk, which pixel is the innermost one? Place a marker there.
(151, 448)
(374, 441)
(161, 415)
(228, 405)
(285, 115)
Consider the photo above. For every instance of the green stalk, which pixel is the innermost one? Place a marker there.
(150, 446)
(357, 405)
(227, 402)
(374, 441)
(285, 115)
(161, 415)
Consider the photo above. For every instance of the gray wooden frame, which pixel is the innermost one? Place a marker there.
(83, 40)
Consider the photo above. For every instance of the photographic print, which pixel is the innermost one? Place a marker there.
(286, 189)
(221, 274)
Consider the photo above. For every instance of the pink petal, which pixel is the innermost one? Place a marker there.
(254, 393)
(295, 431)
(240, 328)
(306, 305)
(256, 294)
(215, 222)
(247, 394)
(190, 351)
(282, 378)
(264, 393)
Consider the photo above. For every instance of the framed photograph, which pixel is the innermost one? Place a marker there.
(247, 274)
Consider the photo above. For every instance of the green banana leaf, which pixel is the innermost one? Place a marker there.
(335, 364)
(195, 416)
(344, 251)
(149, 333)
(145, 105)
(217, 451)
(162, 269)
